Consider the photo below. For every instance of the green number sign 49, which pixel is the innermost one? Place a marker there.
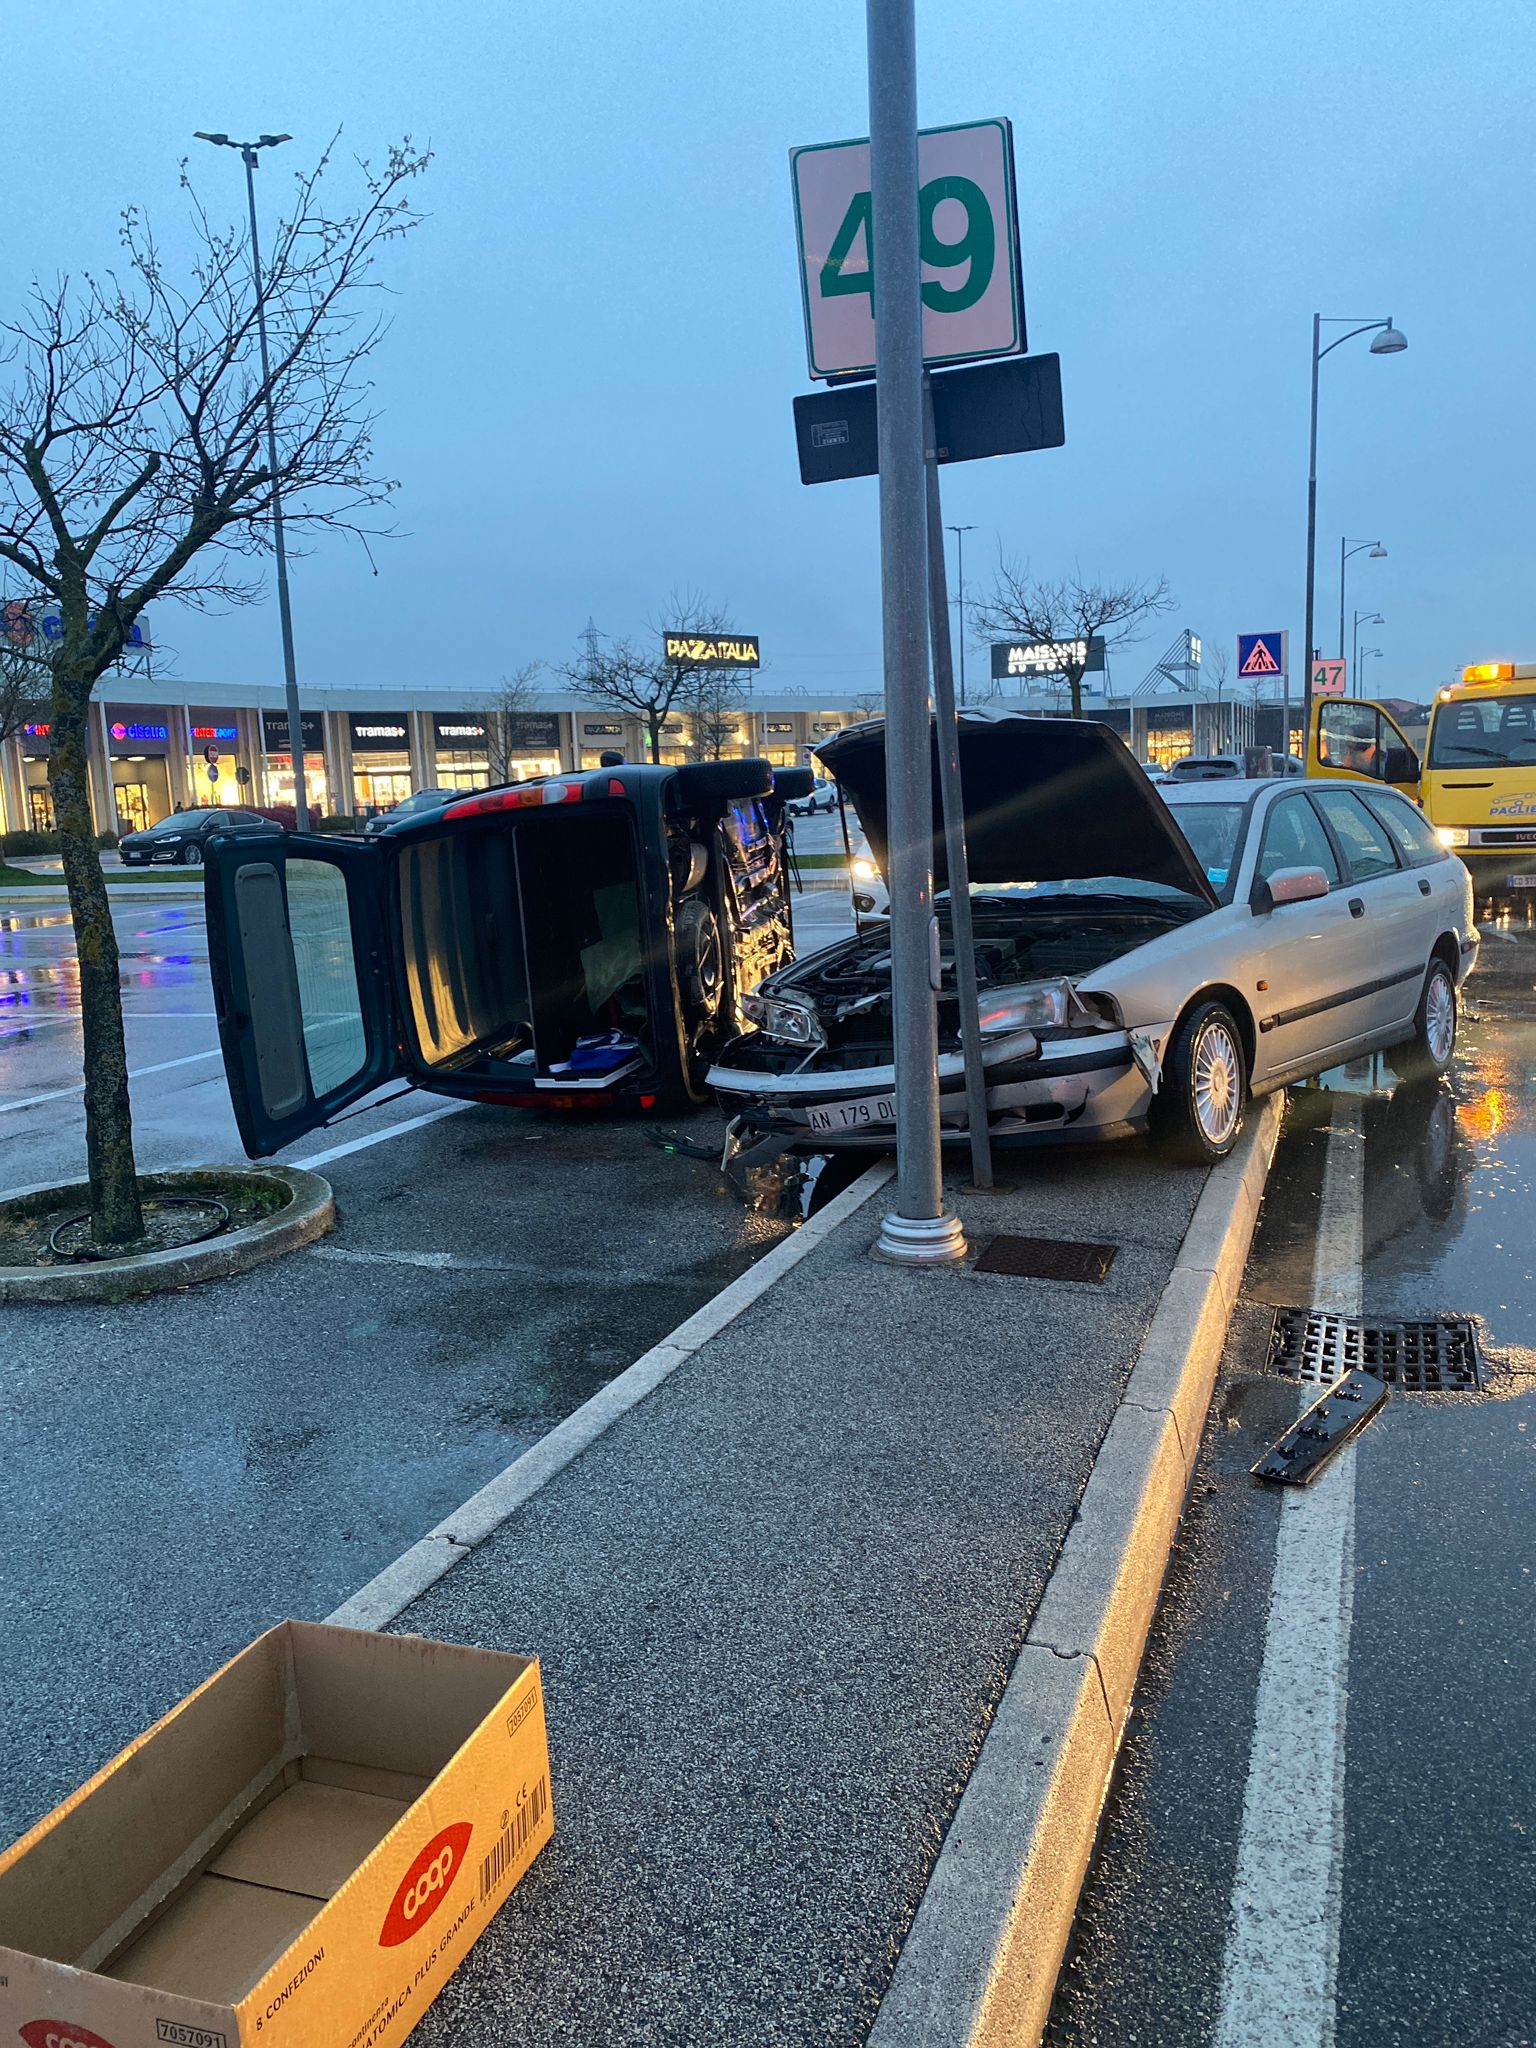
(975, 249)
(973, 306)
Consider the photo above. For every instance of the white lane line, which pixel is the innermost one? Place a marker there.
(1280, 1975)
(78, 1087)
(399, 1130)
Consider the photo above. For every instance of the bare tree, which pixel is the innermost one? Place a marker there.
(712, 698)
(870, 704)
(1071, 613)
(646, 681)
(512, 697)
(133, 467)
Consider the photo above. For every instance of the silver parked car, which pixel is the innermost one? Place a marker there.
(1143, 962)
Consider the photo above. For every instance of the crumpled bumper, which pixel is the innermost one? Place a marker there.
(1098, 1089)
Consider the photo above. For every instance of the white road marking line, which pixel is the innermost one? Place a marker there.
(78, 1087)
(1280, 1975)
(399, 1130)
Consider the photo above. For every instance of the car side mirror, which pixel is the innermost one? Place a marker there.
(1401, 765)
(1288, 885)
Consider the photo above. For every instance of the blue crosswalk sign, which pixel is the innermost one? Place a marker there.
(1261, 655)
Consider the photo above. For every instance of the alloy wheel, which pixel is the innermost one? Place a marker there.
(1440, 1016)
(1216, 1082)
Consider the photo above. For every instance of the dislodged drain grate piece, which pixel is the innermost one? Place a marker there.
(1422, 1355)
(1046, 1258)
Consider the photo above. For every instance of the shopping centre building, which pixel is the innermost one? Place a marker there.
(157, 745)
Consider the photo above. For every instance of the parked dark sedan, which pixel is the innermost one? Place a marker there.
(182, 836)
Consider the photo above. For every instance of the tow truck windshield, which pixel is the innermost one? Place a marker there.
(1497, 732)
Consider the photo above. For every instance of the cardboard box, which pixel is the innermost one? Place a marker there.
(299, 1854)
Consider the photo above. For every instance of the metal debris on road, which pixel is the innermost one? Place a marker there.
(1301, 1453)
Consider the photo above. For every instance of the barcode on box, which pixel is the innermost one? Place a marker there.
(513, 1840)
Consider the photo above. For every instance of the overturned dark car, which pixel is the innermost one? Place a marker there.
(1142, 963)
(571, 942)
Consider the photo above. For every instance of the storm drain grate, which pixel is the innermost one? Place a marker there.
(1424, 1355)
(1046, 1258)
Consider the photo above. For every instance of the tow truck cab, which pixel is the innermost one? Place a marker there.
(572, 942)
(1477, 778)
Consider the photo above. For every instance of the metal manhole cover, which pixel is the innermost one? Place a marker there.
(1422, 1355)
(1046, 1258)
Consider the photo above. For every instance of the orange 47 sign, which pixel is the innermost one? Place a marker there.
(1328, 678)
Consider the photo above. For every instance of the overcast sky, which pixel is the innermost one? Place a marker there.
(586, 393)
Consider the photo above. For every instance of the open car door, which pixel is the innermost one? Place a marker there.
(302, 979)
(1356, 739)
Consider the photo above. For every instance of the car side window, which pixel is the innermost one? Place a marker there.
(1366, 846)
(1294, 838)
(1412, 831)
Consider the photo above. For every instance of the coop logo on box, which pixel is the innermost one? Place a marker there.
(424, 1886)
(60, 2034)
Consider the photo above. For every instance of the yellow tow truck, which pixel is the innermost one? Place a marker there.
(1476, 780)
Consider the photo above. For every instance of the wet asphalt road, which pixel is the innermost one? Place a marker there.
(185, 1470)
(1431, 1890)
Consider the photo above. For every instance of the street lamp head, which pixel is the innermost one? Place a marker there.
(1377, 554)
(1390, 342)
(222, 140)
(271, 142)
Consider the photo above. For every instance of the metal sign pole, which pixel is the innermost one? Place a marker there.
(918, 1232)
(947, 736)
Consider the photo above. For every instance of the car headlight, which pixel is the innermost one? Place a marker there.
(1026, 1008)
(794, 1023)
(865, 871)
(169, 838)
(1453, 835)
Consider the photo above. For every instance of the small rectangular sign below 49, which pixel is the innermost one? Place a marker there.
(973, 294)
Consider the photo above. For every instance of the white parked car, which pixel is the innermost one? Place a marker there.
(1142, 962)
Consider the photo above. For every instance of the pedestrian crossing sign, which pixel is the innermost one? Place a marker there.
(1263, 655)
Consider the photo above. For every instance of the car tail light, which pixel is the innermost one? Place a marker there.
(523, 796)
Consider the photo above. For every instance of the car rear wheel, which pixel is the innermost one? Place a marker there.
(191, 856)
(1434, 1023)
(1197, 1112)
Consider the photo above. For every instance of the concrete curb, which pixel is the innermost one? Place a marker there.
(979, 1967)
(393, 1589)
(309, 1213)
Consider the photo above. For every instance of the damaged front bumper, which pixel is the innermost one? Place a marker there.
(1080, 1087)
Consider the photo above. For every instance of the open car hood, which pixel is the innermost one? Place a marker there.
(1046, 800)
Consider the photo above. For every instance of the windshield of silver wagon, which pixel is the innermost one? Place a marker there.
(1078, 887)
(1214, 832)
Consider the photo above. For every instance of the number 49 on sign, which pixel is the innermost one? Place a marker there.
(973, 303)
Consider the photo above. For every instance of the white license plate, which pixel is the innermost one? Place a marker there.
(1522, 881)
(869, 1111)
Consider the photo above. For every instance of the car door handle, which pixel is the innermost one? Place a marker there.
(1424, 888)
(1357, 906)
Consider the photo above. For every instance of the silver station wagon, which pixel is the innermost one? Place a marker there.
(1147, 959)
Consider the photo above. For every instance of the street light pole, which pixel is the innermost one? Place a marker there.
(918, 1232)
(1347, 547)
(1389, 342)
(248, 154)
(1373, 618)
(960, 532)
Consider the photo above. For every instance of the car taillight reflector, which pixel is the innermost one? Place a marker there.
(525, 796)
